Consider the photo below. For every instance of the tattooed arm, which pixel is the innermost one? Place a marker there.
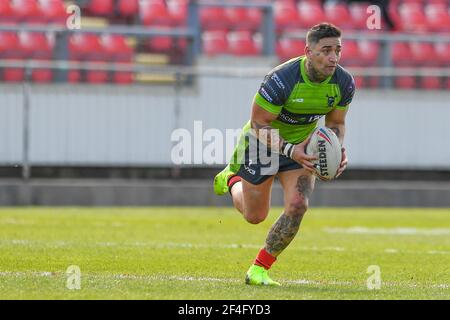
(261, 124)
(335, 120)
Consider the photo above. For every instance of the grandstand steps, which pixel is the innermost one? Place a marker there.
(94, 22)
(154, 78)
(152, 59)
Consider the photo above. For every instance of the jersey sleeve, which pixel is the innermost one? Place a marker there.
(347, 87)
(276, 87)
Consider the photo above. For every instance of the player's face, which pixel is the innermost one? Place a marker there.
(325, 55)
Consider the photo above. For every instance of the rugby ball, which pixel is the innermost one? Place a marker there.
(326, 146)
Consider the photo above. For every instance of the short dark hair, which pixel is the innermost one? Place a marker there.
(322, 30)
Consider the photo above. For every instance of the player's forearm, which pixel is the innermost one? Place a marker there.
(267, 135)
(338, 129)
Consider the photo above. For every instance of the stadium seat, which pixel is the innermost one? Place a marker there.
(154, 13)
(289, 48)
(128, 8)
(286, 16)
(359, 82)
(6, 13)
(85, 47)
(123, 77)
(430, 83)
(101, 7)
(241, 43)
(213, 18)
(239, 18)
(96, 76)
(214, 42)
(401, 54)
(160, 44)
(442, 51)
(53, 11)
(26, 11)
(422, 53)
(437, 17)
(358, 14)
(34, 45)
(338, 14)
(73, 76)
(310, 13)
(405, 82)
(412, 17)
(178, 11)
(9, 45)
(369, 52)
(116, 48)
(13, 74)
(350, 53)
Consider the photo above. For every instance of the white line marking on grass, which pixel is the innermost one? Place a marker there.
(390, 231)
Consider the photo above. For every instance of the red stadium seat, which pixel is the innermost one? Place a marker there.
(422, 53)
(101, 7)
(442, 51)
(430, 83)
(289, 48)
(405, 82)
(123, 77)
(286, 16)
(447, 84)
(26, 11)
(9, 45)
(369, 52)
(437, 17)
(96, 76)
(401, 54)
(350, 53)
(241, 43)
(53, 11)
(13, 74)
(116, 48)
(154, 12)
(338, 14)
(240, 18)
(213, 18)
(73, 76)
(412, 17)
(35, 45)
(160, 44)
(128, 7)
(359, 82)
(311, 13)
(178, 11)
(6, 12)
(214, 42)
(358, 14)
(42, 76)
(85, 46)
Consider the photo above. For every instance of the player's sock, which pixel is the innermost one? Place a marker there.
(232, 181)
(264, 259)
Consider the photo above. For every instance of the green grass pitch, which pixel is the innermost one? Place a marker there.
(203, 253)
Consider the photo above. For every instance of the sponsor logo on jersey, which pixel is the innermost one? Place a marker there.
(331, 100)
(298, 100)
(294, 118)
(278, 81)
(265, 95)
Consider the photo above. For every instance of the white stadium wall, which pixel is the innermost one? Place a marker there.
(132, 126)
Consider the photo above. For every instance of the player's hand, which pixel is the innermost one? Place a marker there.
(344, 163)
(301, 157)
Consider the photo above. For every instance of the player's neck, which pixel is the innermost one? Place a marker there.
(312, 74)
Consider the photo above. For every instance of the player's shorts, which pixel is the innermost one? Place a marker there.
(257, 167)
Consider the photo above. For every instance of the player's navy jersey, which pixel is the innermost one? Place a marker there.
(299, 103)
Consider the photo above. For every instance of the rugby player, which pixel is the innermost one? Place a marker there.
(290, 101)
